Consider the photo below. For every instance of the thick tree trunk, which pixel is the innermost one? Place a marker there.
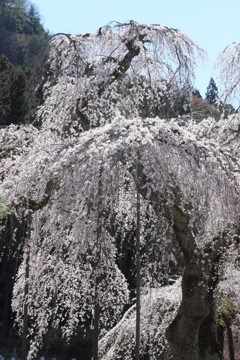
(182, 333)
(193, 333)
(210, 340)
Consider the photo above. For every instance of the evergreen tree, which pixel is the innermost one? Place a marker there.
(22, 35)
(212, 92)
(33, 24)
(13, 15)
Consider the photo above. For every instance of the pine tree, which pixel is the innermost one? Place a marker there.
(33, 24)
(22, 36)
(212, 92)
(13, 15)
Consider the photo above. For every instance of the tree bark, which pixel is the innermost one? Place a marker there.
(193, 333)
(182, 333)
(210, 339)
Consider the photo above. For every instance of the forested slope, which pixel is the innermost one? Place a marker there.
(23, 51)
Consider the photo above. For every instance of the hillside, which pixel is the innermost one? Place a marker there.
(23, 51)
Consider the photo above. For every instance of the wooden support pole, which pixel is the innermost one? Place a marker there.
(138, 304)
(26, 289)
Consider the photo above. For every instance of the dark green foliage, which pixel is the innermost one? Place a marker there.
(212, 92)
(12, 87)
(19, 91)
(26, 48)
(22, 35)
(33, 24)
(24, 43)
(21, 48)
(15, 16)
(217, 107)
(35, 74)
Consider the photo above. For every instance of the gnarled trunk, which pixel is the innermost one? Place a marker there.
(193, 333)
(210, 338)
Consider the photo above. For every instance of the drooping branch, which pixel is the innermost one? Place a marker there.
(121, 68)
(227, 64)
(34, 205)
(150, 55)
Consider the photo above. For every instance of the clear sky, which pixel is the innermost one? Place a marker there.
(212, 23)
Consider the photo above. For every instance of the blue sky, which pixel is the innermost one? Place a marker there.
(212, 23)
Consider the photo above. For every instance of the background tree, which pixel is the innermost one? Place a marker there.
(212, 92)
(200, 109)
(33, 24)
(13, 14)
(22, 34)
(24, 41)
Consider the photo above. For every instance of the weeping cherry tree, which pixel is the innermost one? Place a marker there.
(80, 174)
